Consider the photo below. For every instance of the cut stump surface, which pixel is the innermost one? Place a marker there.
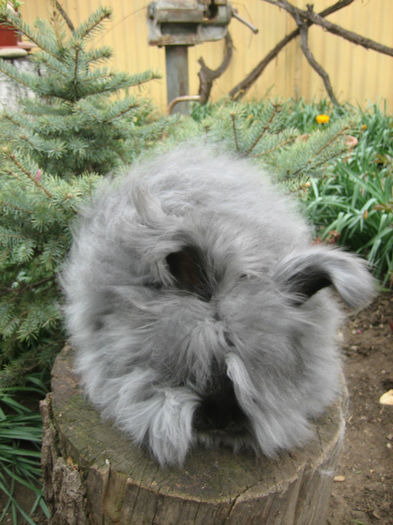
(94, 475)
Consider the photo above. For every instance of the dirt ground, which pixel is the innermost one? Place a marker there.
(363, 490)
(365, 493)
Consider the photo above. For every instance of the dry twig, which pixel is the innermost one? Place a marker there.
(241, 89)
(304, 19)
(316, 65)
(315, 18)
(207, 76)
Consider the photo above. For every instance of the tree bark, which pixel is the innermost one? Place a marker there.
(94, 475)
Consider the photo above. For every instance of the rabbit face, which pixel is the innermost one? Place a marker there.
(199, 309)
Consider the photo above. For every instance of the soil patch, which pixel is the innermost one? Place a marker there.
(365, 494)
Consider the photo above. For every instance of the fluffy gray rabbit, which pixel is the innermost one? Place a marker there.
(199, 310)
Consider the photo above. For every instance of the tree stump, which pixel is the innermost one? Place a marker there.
(93, 473)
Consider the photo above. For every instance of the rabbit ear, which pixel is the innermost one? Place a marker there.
(306, 273)
(188, 268)
(148, 207)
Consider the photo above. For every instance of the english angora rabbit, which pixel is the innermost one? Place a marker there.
(199, 309)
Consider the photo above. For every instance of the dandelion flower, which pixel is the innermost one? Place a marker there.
(322, 119)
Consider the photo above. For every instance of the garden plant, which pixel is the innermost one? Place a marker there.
(52, 151)
(353, 203)
(20, 443)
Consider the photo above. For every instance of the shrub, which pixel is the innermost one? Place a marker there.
(264, 131)
(35, 236)
(50, 152)
(72, 124)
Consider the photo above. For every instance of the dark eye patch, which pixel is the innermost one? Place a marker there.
(188, 267)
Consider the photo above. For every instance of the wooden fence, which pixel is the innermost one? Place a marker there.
(357, 75)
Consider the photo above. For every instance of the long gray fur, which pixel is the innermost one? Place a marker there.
(199, 309)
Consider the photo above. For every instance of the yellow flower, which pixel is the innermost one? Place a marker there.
(364, 127)
(322, 119)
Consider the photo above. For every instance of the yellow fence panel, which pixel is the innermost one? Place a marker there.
(357, 75)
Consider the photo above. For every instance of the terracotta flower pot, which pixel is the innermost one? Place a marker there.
(8, 36)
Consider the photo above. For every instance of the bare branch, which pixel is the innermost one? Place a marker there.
(310, 16)
(207, 75)
(64, 15)
(315, 65)
(241, 89)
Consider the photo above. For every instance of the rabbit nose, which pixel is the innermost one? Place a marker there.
(219, 408)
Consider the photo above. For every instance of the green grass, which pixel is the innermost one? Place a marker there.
(20, 443)
(355, 199)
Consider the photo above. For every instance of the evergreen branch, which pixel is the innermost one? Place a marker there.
(38, 145)
(93, 22)
(38, 108)
(95, 75)
(146, 77)
(330, 141)
(12, 174)
(76, 66)
(275, 148)
(27, 286)
(13, 73)
(15, 122)
(50, 62)
(9, 117)
(133, 105)
(322, 161)
(95, 55)
(13, 235)
(11, 324)
(321, 149)
(28, 174)
(264, 129)
(123, 79)
(25, 139)
(14, 207)
(235, 131)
